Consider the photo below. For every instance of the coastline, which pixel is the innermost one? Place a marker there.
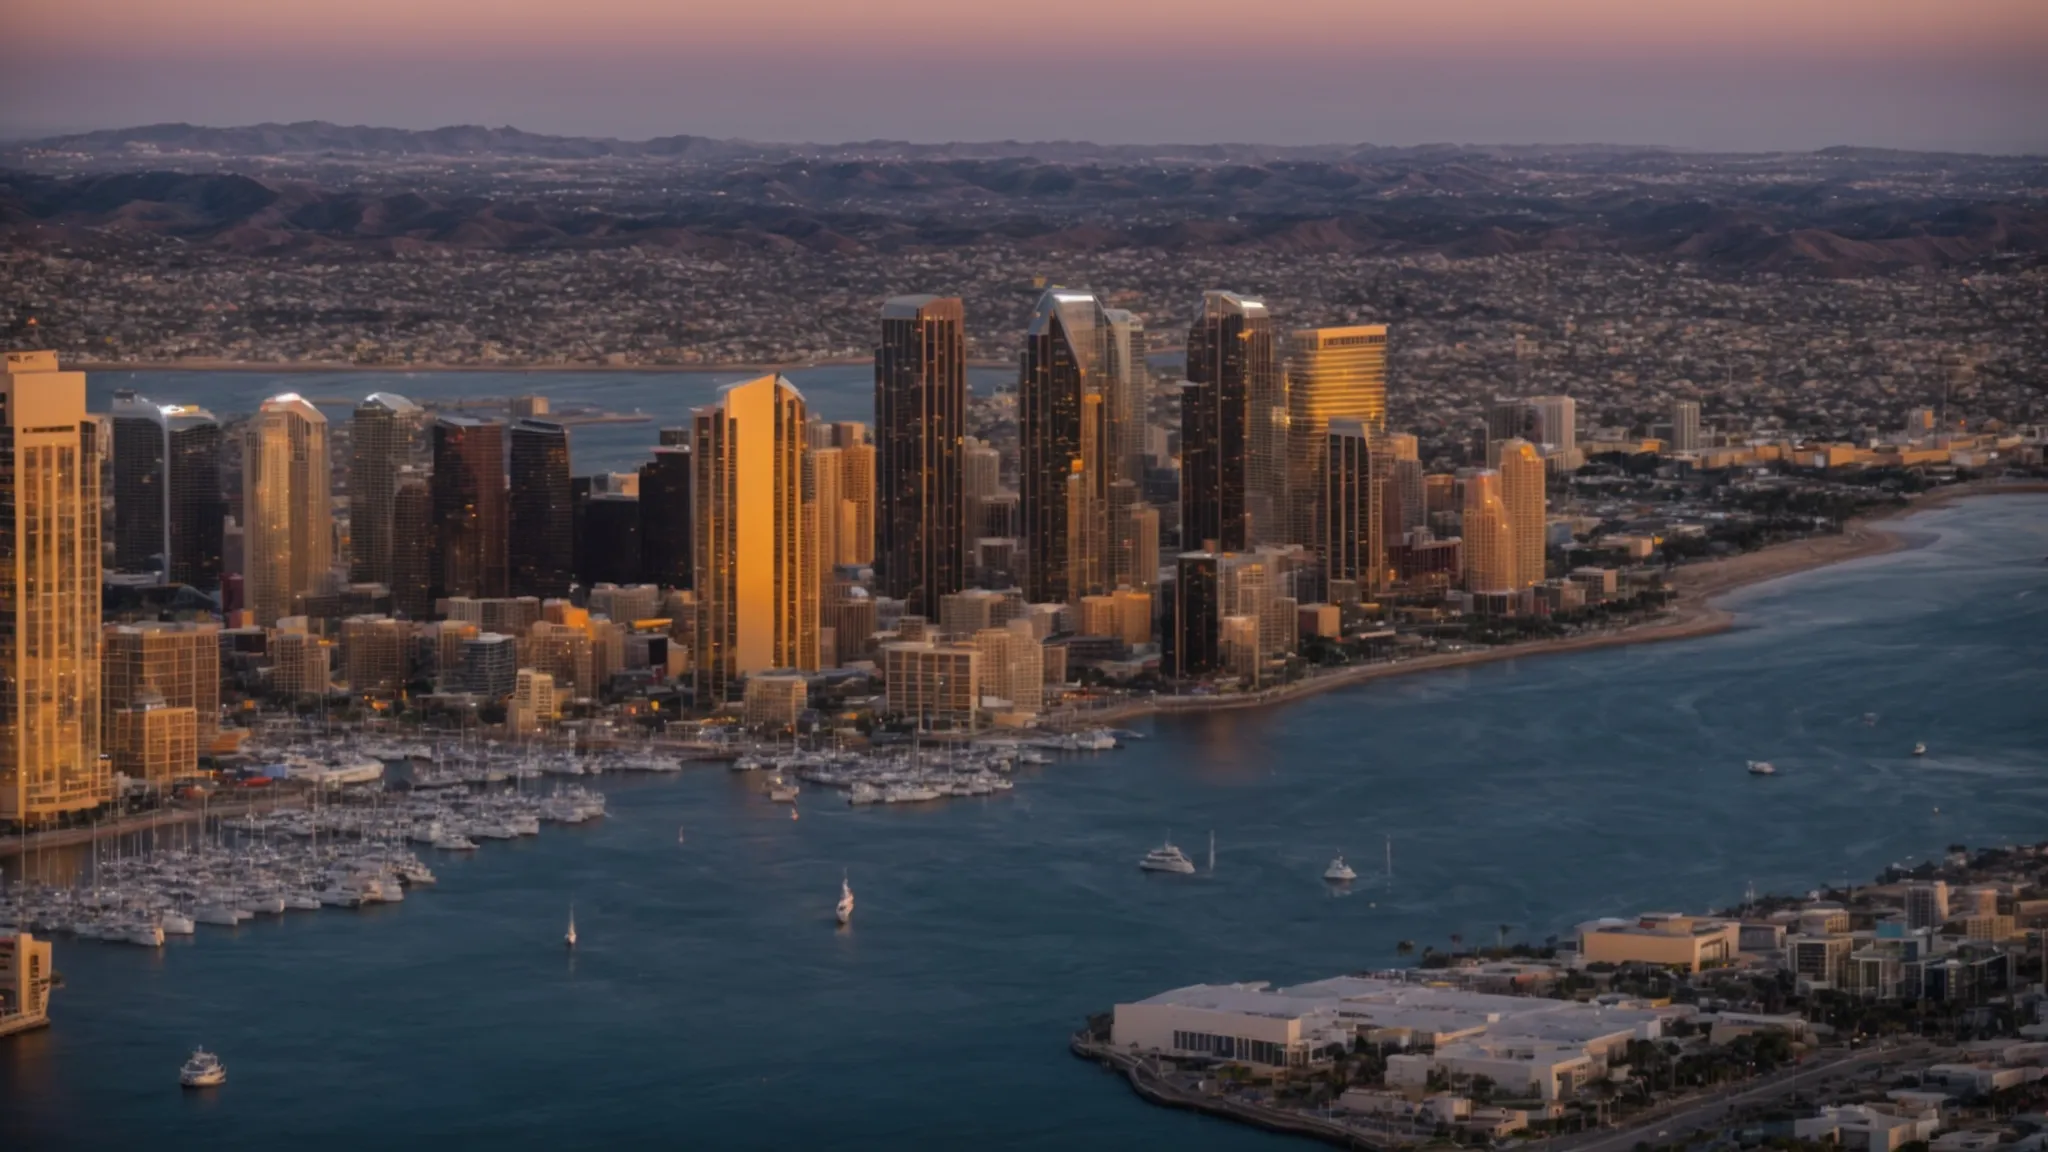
(302, 367)
(1700, 586)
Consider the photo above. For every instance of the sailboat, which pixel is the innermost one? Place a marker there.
(1390, 856)
(1212, 850)
(569, 937)
(845, 909)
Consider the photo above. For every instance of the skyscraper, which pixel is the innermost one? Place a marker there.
(412, 545)
(288, 528)
(198, 509)
(1197, 615)
(1065, 445)
(1130, 396)
(857, 527)
(1507, 419)
(920, 429)
(1333, 374)
(1557, 424)
(665, 517)
(49, 594)
(1489, 541)
(1233, 478)
(384, 436)
(141, 484)
(611, 535)
(1521, 493)
(1685, 426)
(837, 520)
(469, 507)
(1349, 534)
(757, 599)
(540, 541)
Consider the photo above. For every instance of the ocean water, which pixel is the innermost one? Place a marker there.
(839, 392)
(713, 1004)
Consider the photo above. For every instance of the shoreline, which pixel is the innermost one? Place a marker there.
(307, 367)
(1700, 586)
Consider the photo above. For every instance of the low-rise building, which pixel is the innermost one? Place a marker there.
(1661, 938)
(776, 699)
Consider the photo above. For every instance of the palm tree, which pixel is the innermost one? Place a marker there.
(1404, 948)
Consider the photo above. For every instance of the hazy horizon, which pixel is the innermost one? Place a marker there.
(1721, 75)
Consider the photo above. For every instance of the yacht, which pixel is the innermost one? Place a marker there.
(448, 841)
(175, 923)
(845, 909)
(1919, 749)
(1762, 768)
(863, 793)
(1167, 858)
(147, 933)
(203, 1070)
(1339, 872)
(781, 791)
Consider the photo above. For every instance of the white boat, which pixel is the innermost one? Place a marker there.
(679, 835)
(569, 937)
(863, 793)
(219, 914)
(175, 923)
(782, 792)
(1339, 872)
(448, 841)
(845, 909)
(1762, 768)
(203, 1070)
(147, 933)
(1919, 749)
(1167, 858)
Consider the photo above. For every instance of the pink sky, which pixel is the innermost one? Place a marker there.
(1968, 74)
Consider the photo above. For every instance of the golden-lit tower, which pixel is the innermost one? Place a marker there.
(49, 594)
(1489, 543)
(757, 592)
(288, 541)
(1521, 492)
(1332, 374)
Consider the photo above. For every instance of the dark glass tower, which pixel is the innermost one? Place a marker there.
(1232, 416)
(920, 426)
(141, 484)
(198, 512)
(412, 545)
(1196, 616)
(541, 544)
(469, 507)
(1060, 436)
(384, 437)
(665, 518)
(611, 539)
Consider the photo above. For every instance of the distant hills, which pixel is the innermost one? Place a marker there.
(325, 189)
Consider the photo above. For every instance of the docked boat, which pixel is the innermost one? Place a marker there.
(1919, 749)
(1339, 872)
(175, 923)
(203, 1070)
(863, 793)
(1167, 858)
(1762, 768)
(782, 791)
(845, 909)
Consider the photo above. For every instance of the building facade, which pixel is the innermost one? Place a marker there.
(384, 439)
(920, 432)
(1065, 445)
(540, 538)
(469, 507)
(665, 517)
(287, 508)
(1522, 495)
(1334, 375)
(1489, 543)
(1233, 477)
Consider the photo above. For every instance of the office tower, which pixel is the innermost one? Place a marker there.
(1521, 493)
(534, 702)
(1130, 394)
(1232, 475)
(469, 507)
(180, 663)
(1556, 420)
(929, 682)
(1489, 539)
(611, 539)
(374, 652)
(384, 436)
(850, 612)
(1012, 667)
(1333, 374)
(1138, 561)
(49, 594)
(981, 470)
(1349, 533)
(757, 597)
(288, 537)
(1197, 613)
(540, 545)
(824, 487)
(412, 545)
(1065, 446)
(152, 741)
(856, 529)
(920, 429)
(529, 407)
(141, 440)
(490, 665)
(665, 517)
(1685, 426)
(1508, 419)
(1402, 498)
(1927, 904)
(197, 511)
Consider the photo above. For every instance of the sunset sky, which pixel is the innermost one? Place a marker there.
(1969, 74)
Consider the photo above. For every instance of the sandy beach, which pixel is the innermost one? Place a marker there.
(1699, 586)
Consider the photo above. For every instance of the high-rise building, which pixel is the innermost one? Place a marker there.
(929, 682)
(1402, 500)
(529, 407)
(469, 507)
(375, 654)
(1522, 494)
(153, 741)
(540, 529)
(1488, 537)
(384, 437)
(1138, 557)
(490, 665)
(1927, 904)
(287, 487)
(1333, 374)
(920, 430)
(49, 594)
(1197, 615)
(1066, 446)
(1556, 424)
(178, 662)
(534, 703)
(856, 488)
(412, 545)
(1349, 533)
(837, 519)
(1129, 396)
(1685, 426)
(611, 539)
(1233, 475)
(198, 511)
(665, 517)
(141, 481)
(757, 595)
(1508, 418)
